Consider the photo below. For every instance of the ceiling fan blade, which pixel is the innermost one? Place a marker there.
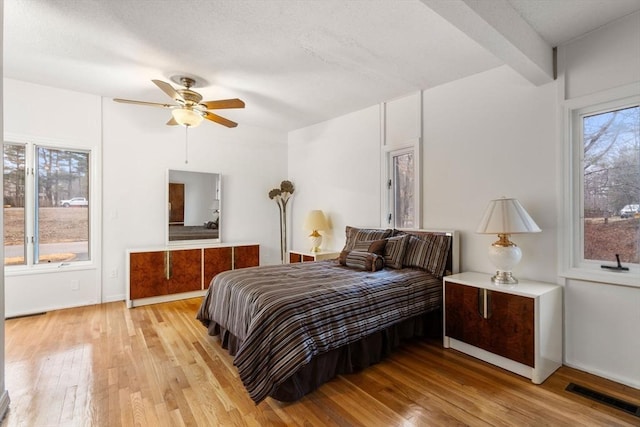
(169, 90)
(220, 120)
(151, 104)
(224, 103)
(172, 122)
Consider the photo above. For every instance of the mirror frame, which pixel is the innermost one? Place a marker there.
(215, 196)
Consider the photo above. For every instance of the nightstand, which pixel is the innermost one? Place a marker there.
(306, 256)
(517, 327)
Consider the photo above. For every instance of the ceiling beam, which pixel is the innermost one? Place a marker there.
(498, 27)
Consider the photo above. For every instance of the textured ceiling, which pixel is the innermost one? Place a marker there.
(294, 63)
(559, 21)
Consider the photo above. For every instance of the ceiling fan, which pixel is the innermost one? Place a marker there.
(189, 109)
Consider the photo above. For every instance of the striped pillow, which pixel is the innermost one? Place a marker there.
(429, 252)
(361, 260)
(354, 235)
(394, 251)
(373, 246)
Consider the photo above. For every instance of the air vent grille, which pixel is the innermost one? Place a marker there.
(627, 407)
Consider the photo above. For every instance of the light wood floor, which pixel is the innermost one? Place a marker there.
(106, 365)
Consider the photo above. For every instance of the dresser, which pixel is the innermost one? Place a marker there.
(517, 327)
(166, 274)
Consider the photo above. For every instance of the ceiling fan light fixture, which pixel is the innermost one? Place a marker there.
(188, 109)
(186, 117)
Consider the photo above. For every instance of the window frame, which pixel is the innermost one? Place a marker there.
(571, 239)
(389, 151)
(31, 266)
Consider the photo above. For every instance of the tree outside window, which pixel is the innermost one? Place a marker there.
(403, 185)
(402, 195)
(46, 204)
(611, 184)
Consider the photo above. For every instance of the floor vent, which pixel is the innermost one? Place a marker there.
(627, 407)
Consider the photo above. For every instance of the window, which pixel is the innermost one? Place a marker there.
(611, 184)
(46, 204)
(403, 207)
(14, 204)
(605, 185)
(402, 189)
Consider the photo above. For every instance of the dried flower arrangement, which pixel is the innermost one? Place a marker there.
(281, 196)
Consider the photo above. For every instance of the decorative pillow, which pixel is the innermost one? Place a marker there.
(361, 260)
(428, 252)
(350, 234)
(394, 250)
(354, 235)
(373, 246)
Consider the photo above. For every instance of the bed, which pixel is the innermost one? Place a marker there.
(293, 327)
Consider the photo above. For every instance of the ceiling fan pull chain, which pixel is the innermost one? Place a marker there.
(186, 145)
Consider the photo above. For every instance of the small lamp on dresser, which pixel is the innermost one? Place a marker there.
(315, 221)
(504, 217)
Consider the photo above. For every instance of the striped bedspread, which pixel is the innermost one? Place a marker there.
(284, 315)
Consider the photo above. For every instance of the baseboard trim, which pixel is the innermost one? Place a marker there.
(604, 374)
(4, 404)
(114, 298)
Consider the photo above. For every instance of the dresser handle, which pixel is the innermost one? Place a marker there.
(484, 303)
(168, 265)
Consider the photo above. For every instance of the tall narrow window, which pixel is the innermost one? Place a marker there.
(46, 199)
(403, 188)
(14, 204)
(610, 149)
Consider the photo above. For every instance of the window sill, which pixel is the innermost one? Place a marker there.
(49, 268)
(621, 278)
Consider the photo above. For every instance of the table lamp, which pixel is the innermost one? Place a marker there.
(315, 221)
(505, 216)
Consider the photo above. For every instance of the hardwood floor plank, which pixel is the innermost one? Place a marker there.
(358, 406)
(106, 365)
(414, 396)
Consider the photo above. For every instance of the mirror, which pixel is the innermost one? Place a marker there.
(193, 206)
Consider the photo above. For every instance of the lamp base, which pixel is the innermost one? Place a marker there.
(316, 240)
(504, 255)
(504, 278)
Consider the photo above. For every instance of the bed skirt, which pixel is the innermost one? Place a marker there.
(344, 360)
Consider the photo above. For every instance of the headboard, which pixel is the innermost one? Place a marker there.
(452, 265)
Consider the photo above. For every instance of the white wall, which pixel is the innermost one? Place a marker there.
(601, 319)
(138, 149)
(485, 136)
(41, 114)
(603, 59)
(470, 155)
(334, 166)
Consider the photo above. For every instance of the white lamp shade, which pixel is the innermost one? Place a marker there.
(506, 216)
(316, 220)
(186, 117)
